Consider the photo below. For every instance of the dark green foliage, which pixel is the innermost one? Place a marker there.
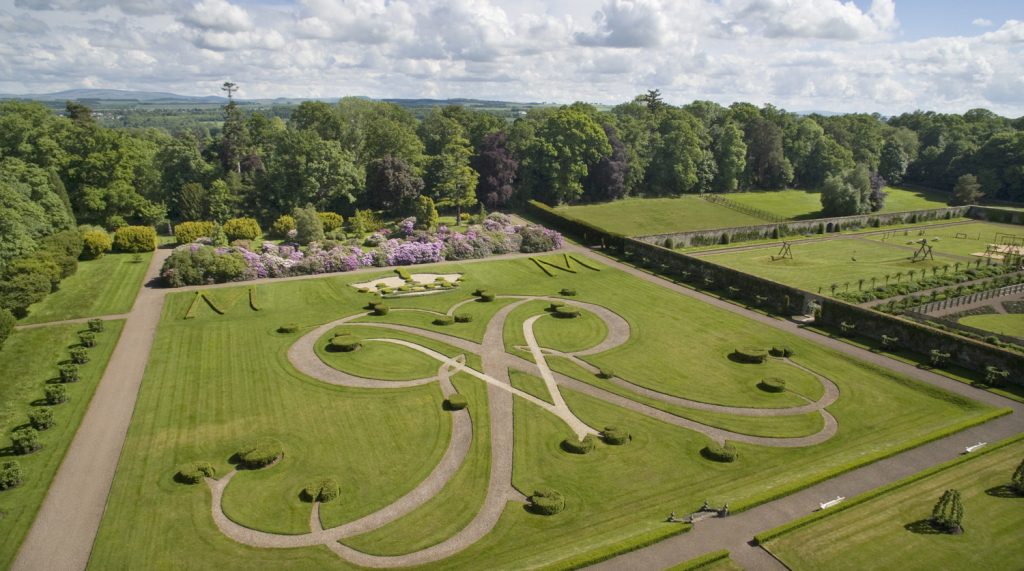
(95, 243)
(605, 373)
(615, 436)
(486, 296)
(87, 339)
(6, 325)
(751, 355)
(1017, 481)
(567, 292)
(994, 376)
(10, 475)
(260, 453)
(96, 325)
(288, 328)
(948, 513)
(565, 312)
(444, 320)
(194, 472)
(585, 446)
(308, 225)
(772, 385)
(79, 355)
(242, 229)
(720, 452)
(69, 373)
(463, 318)
(284, 224)
(890, 342)
(322, 491)
(456, 402)
(201, 266)
(848, 328)
(938, 358)
(381, 309)
(25, 440)
(344, 343)
(135, 239)
(21, 290)
(56, 394)
(546, 501)
(188, 232)
(41, 418)
(781, 351)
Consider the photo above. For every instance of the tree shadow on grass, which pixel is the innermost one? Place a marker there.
(1004, 491)
(923, 527)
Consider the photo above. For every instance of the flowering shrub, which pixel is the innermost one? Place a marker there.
(198, 264)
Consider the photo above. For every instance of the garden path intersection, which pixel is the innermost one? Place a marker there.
(71, 513)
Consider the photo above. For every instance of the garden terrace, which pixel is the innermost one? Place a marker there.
(795, 204)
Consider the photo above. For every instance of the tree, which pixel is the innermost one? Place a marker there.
(303, 168)
(456, 180)
(767, 166)
(21, 290)
(567, 142)
(892, 164)
(678, 155)
(319, 117)
(391, 185)
(1017, 481)
(966, 191)
(425, 213)
(233, 134)
(827, 158)
(496, 168)
(731, 156)
(308, 225)
(877, 194)
(948, 513)
(606, 180)
(846, 194)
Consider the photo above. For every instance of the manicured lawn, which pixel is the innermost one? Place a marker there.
(106, 286)
(973, 238)
(726, 564)
(29, 360)
(376, 359)
(217, 381)
(889, 531)
(643, 216)
(1010, 324)
(817, 265)
(803, 204)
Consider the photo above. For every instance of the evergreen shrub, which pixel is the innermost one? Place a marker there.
(456, 402)
(10, 475)
(720, 452)
(25, 440)
(135, 239)
(323, 491)
(194, 472)
(56, 394)
(41, 418)
(615, 436)
(585, 446)
(242, 229)
(260, 453)
(546, 501)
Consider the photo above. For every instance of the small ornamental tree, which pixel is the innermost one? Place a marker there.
(87, 339)
(56, 394)
(948, 513)
(284, 224)
(41, 418)
(425, 213)
(10, 475)
(308, 225)
(1017, 481)
(25, 440)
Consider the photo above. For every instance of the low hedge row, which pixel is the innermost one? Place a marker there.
(703, 561)
(761, 538)
(660, 533)
(615, 436)
(772, 385)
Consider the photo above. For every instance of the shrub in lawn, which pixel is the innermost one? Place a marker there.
(69, 373)
(948, 513)
(772, 385)
(373, 303)
(95, 243)
(720, 452)
(87, 339)
(135, 239)
(260, 453)
(79, 355)
(322, 491)
(566, 312)
(546, 501)
(25, 440)
(41, 418)
(344, 343)
(444, 320)
(751, 354)
(194, 472)
(585, 446)
(381, 309)
(781, 351)
(96, 325)
(1017, 482)
(605, 373)
(56, 394)
(242, 229)
(567, 292)
(615, 436)
(463, 318)
(456, 402)
(10, 475)
(288, 328)
(486, 296)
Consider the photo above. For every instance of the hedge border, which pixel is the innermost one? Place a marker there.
(618, 548)
(252, 300)
(193, 307)
(542, 268)
(798, 523)
(702, 561)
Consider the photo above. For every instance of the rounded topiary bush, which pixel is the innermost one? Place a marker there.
(720, 452)
(381, 309)
(565, 312)
(772, 385)
(373, 303)
(555, 305)
(56, 394)
(751, 354)
(194, 472)
(444, 320)
(260, 453)
(41, 418)
(344, 343)
(456, 402)
(96, 325)
(69, 373)
(79, 355)
(288, 328)
(463, 318)
(605, 373)
(322, 491)
(781, 351)
(25, 440)
(546, 501)
(242, 229)
(615, 436)
(568, 292)
(585, 446)
(87, 339)
(486, 296)
(10, 475)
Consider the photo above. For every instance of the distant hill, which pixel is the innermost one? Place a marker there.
(150, 97)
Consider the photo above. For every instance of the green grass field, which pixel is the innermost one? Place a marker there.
(644, 216)
(1009, 324)
(817, 265)
(973, 238)
(217, 381)
(28, 361)
(803, 204)
(889, 531)
(106, 286)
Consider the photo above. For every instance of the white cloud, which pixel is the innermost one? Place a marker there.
(822, 19)
(1011, 32)
(626, 24)
(982, 22)
(218, 15)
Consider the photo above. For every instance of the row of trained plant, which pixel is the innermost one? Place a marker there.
(220, 308)
(869, 289)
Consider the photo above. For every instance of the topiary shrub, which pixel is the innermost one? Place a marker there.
(25, 440)
(284, 224)
(288, 328)
(96, 325)
(260, 453)
(381, 309)
(565, 312)
(79, 355)
(486, 296)
(95, 243)
(585, 446)
(555, 305)
(41, 418)
(456, 402)
(546, 501)
(948, 513)
(615, 436)
(87, 339)
(242, 229)
(188, 232)
(344, 343)
(69, 373)
(444, 320)
(134, 239)
(772, 385)
(322, 491)
(1017, 480)
(567, 292)
(10, 475)
(750, 355)
(55, 394)
(720, 452)
(463, 318)
(194, 472)
(781, 352)
(605, 373)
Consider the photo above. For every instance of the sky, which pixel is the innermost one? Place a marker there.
(884, 56)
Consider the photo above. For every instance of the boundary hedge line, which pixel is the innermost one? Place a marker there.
(785, 528)
(702, 561)
(615, 549)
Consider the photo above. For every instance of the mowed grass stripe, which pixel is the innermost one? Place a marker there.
(106, 286)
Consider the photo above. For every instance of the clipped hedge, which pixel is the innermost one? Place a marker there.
(751, 354)
(456, 402)
(720, 452)
(565, 312)
(605, 373)
(344, 343)
(25, 440)
(242, 229)
(260, 453)
(463, 318)
(55, 394)
(608, 551)
(96, 325)
(288, 328)
(194, 472)
(772, 385)
(546, 501)
(79, 355)
(135, 239)
(381, 309)
(95, 243)
(188, 232)
(41, 418)
(87, 339)
(781, 351)
(615, 436)
(567, 292)
(486, 296)
(585, 446)
(69, 373)
(444, 320)
(323, 491)
(10, 475)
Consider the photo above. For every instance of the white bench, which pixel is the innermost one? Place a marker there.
(974, 447)
(831, 503)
